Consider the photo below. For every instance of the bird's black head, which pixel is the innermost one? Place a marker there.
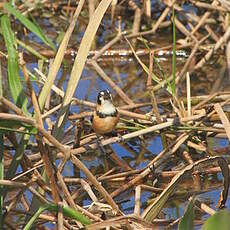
(103, 96)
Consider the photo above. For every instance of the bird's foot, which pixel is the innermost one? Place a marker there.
(120, 138)
(100, 146)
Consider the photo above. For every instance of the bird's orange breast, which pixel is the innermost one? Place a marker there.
(104, 125)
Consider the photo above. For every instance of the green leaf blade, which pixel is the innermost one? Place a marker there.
(29, 25)
(71, 213)
(15, 85)
(187, 221)
(220, 220)
(67, 211)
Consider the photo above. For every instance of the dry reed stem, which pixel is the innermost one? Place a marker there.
(40, 139)
(116, 53)
(223, 39)
(187, 64)
(187, 157)
(136, 24)
(75, 160)
(223, 119)
(154, 162)
(94, 181)
(108, 80)
(26, 172)
(117, 175)
(46, 114)
(147, 8)
(120, 162)
(38, 195)
(203, 19)
(197, 19)
(9, 105)
(205, 101)
(90, 104)
(59, 57)
(107, 173)
(183, 30)
(156, 25)
(13, 184)
(107, 46)
(44, 151)
(152, 210)
(228, 57)
(121, 111)
(198, 147)
(208, 6)
(31, 121)
(78, 65)
(70, 199)
(204, 207)
(60, 218)
(188, 86)
(137, 201)
(149, 86)
(168, 174)
(84, 185)
(149, 79)
(211, 33)
(121, 220)
(154, 128)
(113, 8)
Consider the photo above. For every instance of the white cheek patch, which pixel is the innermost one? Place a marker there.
(101, 100)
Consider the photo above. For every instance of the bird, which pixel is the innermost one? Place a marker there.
(106, 115)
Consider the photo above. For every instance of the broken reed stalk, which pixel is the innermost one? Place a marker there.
(149, 87)
(40, 140)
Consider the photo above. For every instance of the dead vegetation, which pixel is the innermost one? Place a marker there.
(37, 114)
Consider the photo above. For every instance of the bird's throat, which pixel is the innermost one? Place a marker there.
(107, 109)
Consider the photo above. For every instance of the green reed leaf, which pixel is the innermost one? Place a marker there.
(29, 25)
(15, 85)
(67, 212)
